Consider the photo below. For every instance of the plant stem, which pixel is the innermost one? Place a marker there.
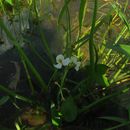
(91, 42)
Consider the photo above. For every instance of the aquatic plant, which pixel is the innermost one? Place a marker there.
(103, 70)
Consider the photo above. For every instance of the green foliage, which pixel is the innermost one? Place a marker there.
(106, 65)
(69, 110)
(9, 2)
(63, 10)
(122, 122)
(3, 100)
(82, 12)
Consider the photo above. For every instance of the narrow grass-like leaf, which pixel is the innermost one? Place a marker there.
(125, 49)
(129, 112)
(126, 5)
(115, 77)
(9, 2)
(118, 126)
(124, 29)
(13, 94)
(86, 37)
(121, 48)
(3, 100)
(82, 10)
(68, 47)
(29, 78)
(91, 41)
(63, 10)
(121, 15)
(117, 119)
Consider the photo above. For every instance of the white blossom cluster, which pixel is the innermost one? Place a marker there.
(62, 61)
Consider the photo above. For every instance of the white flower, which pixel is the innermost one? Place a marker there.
(58, 66)
(66, 61)
(77, 66)
(75, 61)
(61, 61)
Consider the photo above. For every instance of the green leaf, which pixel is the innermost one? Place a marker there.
(121, 48)
(100, 75)
(121, 14)
(101, 68)
(82, 10)
(55, 116)
(129, 112)
(102, 80)
(125, 49)
(118, 126)
(9, 92)
(117, 119)
(9, 2)
(69, 109)
(63, 10)
(3, 100)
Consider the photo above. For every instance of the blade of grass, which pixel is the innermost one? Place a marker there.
(63, 10)
(118, 71)
(117, 119)
(129, 112)
(118, 126)
(68, 48)
(29, 78)
(121, 15)
(126, 5)
(86, 37)
(82, 10)
(13, 94)
(2, 7)
(124, 29)
(91, 42)
(3, 100)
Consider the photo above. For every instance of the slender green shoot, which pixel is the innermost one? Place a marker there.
(91, 41)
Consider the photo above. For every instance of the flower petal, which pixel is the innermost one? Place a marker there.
(78, 63)
(59, 58)
(77, 66)
(66, 61)
(73, 59)
(58, 66)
